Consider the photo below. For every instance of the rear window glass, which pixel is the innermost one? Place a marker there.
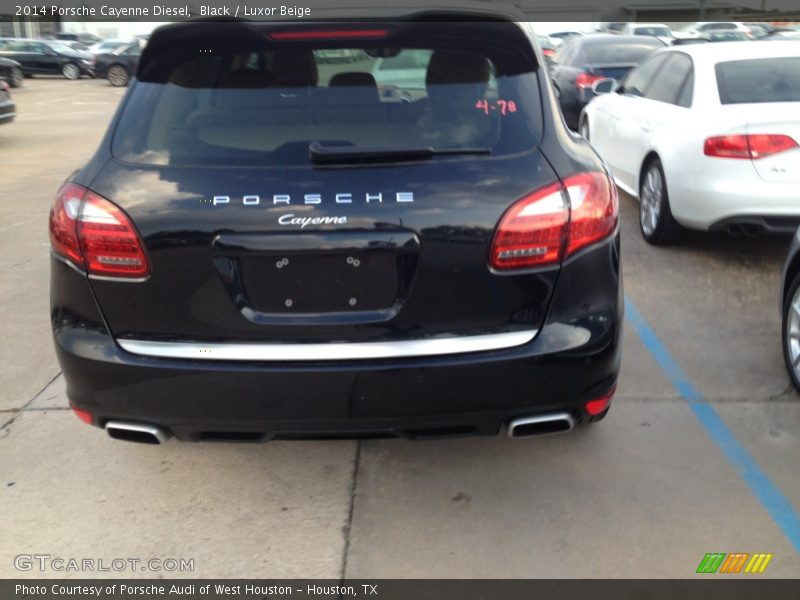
(712, 26)
(759, 80)
(620, 54)
(265, 104)
(655, 31)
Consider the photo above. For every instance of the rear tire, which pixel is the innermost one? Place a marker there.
(118, 76)
(17, 78)
(791, 331)
(71, 71)
(656, 222)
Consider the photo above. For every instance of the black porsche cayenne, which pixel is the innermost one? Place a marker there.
(271, 245)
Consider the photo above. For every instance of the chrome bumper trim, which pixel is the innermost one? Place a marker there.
(331, 351)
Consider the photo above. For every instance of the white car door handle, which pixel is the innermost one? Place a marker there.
(646, 128)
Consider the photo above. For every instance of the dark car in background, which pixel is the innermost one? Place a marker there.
(47, 57)
(549, 49)
(11, 72)
(581, 61)
(760, 30)
(108, 46)
(790, 305)
(119, 65)
(85, 38)
(727, 36)
(77, 46)
(688, 41)
(785, 32)
(8, 110)
(263, 248)
(559, 37)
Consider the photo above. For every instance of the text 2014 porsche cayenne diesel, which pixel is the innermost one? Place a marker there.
(268, 246)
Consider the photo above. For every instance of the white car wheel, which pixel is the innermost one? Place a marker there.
(791, 332)
(655, 217)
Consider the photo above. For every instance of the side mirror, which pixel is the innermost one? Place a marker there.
(604, 86)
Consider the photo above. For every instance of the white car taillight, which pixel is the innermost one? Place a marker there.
(752, 146)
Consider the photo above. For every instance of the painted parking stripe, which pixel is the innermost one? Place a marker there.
(773, 500)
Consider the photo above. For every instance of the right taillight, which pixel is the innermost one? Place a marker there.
(752, 146)
(95, 235)
(554, 222)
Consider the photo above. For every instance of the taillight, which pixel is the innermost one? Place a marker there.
(83, 415)
(753, 145)
(585, 80)
(594, 209)
(554, 222)
(95, 235)
(532, 232)
(598, 405)
(549, 52)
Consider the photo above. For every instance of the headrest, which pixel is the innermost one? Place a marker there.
(229, 93)
(296, 68)
(246, 79)
(447, 68)
(357, 87)
(353, 78)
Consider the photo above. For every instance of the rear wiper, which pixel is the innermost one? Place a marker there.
(320, 154)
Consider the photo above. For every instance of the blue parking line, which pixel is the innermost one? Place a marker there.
(771, 498)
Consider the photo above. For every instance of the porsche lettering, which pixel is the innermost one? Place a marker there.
(338, 198)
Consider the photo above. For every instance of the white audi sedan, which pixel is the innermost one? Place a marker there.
(706, 137)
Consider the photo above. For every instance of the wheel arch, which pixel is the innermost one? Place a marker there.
(792, 269)
(648, 158)
(583, 116)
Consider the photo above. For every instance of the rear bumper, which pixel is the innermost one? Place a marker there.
(716, 202)
(437, 397)
(574, 358)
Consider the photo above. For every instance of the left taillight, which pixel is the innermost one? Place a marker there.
(555, 222)
(95, 235)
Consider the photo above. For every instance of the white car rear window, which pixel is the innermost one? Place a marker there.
(759, 80)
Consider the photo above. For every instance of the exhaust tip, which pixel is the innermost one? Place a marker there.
(137, 432)
(540, 425)
(745, 229)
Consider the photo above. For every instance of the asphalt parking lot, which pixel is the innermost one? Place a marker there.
(699, 453)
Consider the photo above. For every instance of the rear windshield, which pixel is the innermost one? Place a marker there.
(267, 101)
(759, 80)
(630, 53)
